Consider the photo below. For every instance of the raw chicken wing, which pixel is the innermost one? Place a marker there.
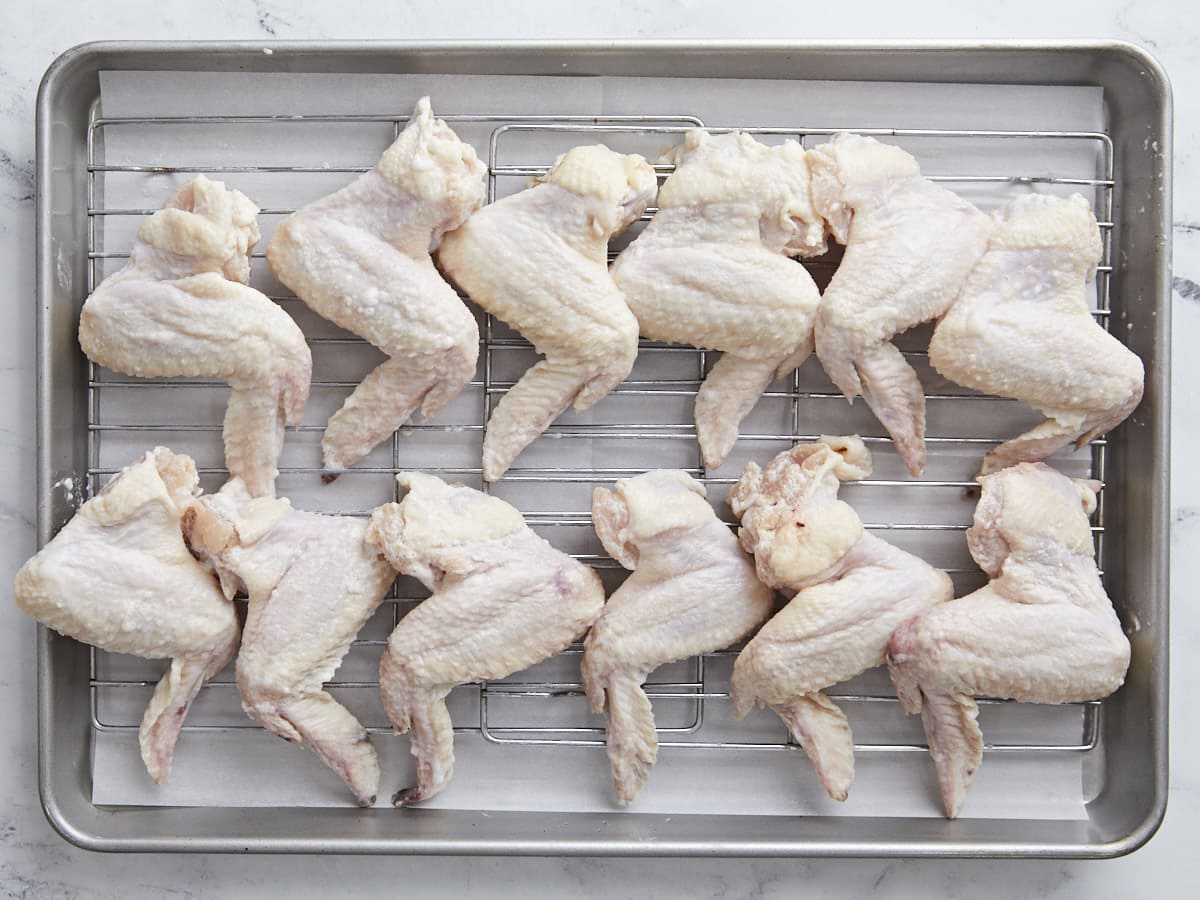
(909, 247)
(312, 581)
(692, 591)
(1042, 631)
(503, 599)
(181, 306)
(711, 270)
(360, 258)
(850, 589)
(1021, 328)
(119, 576)
(539, 261)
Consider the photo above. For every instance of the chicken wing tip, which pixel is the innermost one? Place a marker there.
(407, 797)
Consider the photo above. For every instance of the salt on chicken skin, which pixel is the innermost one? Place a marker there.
(1021, 328)
(181, 307)
(502, 599)
(119, 576)
(538, 260)
(361, 259)
(712, 269)
(693, 590)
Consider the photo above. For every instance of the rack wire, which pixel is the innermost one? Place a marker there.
(691, 696)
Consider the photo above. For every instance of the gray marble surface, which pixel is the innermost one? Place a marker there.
(35, 862)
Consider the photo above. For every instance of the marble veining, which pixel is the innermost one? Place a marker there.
(35, 862)
(1186, 288)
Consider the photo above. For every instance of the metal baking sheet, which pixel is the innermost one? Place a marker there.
(1087, 780)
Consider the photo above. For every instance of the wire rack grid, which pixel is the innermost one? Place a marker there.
(644, 424)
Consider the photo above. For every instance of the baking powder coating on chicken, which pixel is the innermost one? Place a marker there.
(1022, 328)
(910, 245)
(361, 258)
(502, 599)
(538, 260)
(181, 306)
(312, 582)
(711, 269)
(1043, 630)
(849, 590)
(693, 590)
(119, 576)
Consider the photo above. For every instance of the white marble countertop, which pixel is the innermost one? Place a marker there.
(35, 861)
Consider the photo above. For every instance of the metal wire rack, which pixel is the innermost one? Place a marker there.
(644, 424)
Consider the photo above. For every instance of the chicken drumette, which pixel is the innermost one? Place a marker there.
(360, 258)
(850, 589)
(539, 260)
(1042, 631)
(503, 599)
(119, 576)
(692, 591)
(181, 306)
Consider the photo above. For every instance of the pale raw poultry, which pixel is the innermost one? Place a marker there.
(538, 260)
(1022, 328)
(312, 582)
(361, 258)
(503, 599)
(181, 306)
(1042, 631)
(711, 269)
(119, 576)
(849, 592)
(693, 590)
(910, 245)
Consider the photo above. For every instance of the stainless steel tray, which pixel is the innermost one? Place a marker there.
(84, 698)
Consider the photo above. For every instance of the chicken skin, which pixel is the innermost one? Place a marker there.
(909, 248)
(119, 576)
(1042, 631)
(1021, 328)
(692, 591)
(361, 258)
(539, 261)
(181, 306)
(712, 270)
(312, 582)
(503, 599)
(851, 590)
